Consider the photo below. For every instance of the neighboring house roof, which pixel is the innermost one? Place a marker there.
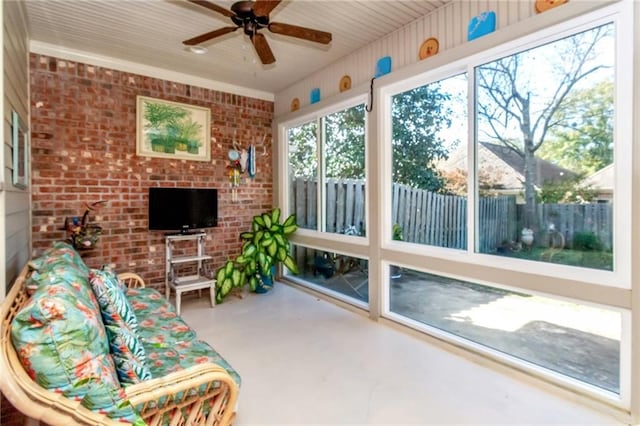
(601, 180)
(503, 167)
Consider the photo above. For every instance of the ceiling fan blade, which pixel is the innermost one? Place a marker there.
(300, 32)
(264, 7)
(208, 36)
(214, 7)
(263, 49)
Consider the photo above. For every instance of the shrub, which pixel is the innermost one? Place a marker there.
(586, 241)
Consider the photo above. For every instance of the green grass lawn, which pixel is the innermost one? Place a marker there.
(587, 259)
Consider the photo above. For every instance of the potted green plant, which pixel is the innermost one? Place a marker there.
(266, 245)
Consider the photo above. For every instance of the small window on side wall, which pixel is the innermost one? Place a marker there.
(20, 148)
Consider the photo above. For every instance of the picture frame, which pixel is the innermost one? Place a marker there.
(172, 130)
(20, 151)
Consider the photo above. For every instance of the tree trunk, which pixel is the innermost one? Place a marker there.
(530, 170)
(530, 175)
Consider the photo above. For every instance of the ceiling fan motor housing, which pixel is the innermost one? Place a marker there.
(246, 18)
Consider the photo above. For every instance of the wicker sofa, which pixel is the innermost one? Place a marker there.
(187, 383)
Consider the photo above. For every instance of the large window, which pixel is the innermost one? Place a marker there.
(502, 200)
(327, 169)
(573, 339)
(340, 275)
(326, 172)
(537, 182)
(429, 167)
(545, 152)
(303, 173)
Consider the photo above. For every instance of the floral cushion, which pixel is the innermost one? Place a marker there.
(161, 323)
(114, 305)
(59, 250)
(170, 343)
(112, 402)
(62, 345)
(128, 354)
(59, 271)
(176, 356)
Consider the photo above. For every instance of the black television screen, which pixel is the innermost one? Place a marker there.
(182, 209)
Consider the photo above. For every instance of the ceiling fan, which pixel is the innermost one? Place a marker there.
(253, 16)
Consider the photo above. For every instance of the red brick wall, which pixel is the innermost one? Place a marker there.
(83, 127)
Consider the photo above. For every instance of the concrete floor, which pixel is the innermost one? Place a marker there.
(306, 361)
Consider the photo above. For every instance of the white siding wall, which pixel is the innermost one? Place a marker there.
(15, 212)
(448, 24)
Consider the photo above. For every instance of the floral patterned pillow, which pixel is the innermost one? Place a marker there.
(62, 343)
(61, 272)
(114, 305)
(128, 354)
(59, 251)
(111, 401)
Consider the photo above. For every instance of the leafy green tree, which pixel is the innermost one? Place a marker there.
(344, 146)
(303, 159)
(566, 191)
(583, 139)
(417, 117)
(524, 94)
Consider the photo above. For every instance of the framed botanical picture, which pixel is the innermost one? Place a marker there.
(172, 130)
(20, 148)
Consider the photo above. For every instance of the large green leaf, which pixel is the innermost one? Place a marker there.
(291, 264)
(291, 220)
(275, 216)
(267, 220)
(259, 220)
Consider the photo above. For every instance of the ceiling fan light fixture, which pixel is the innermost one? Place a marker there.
(198, 50)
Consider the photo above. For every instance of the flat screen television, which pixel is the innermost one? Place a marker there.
(182, 209)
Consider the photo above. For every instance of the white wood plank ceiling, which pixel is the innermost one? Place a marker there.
(150, 32)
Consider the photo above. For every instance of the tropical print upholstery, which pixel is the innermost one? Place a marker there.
(62, 345)
(80, 335)
(57, 252)
(112, 402)
(61, 272)
(128, 355)
(170, 343)
(177, 356)
(113, 303)
(159, 322)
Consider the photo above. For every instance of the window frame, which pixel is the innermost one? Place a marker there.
(285, 195)
(609, 289)
(582, 285)
(620, 277)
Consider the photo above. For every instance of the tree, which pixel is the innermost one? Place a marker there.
(303, 160)
(417, 117)
(344, 146)
(567, 191)
(524, 94)
(583, 139)
(455, 182)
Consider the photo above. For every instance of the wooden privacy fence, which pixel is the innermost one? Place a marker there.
(441, 220)
(570, 219)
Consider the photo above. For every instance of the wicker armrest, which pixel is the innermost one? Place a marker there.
(204, 392)
(131, 280)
